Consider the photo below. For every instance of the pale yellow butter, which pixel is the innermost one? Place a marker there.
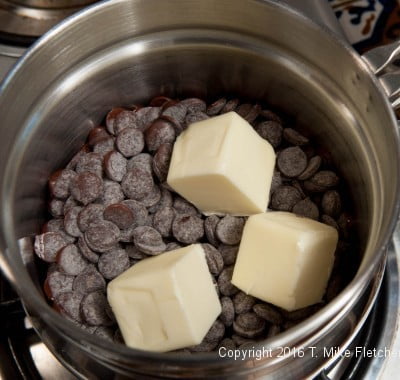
(285, 259)
(165, 302)
(223, 166)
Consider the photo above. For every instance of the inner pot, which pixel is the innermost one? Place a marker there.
(124, 52)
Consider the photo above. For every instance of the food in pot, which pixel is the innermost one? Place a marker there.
(285, 259)
(212, 166)
(165, 302)
(140, 216)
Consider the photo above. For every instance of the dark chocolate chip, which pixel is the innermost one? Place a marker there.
(187, 229)
(115, 165)
(331, 203)
(161, 161)
(68, 303)
(160, 132)
(124, 119)
(249, 325)
(243, 302)
(93, 309)
(86, 252)
(230, 105)
(270, 131)
(229, 253)
(90, 162)
(284, 198)
(216, 332)
(195, 117)
(229, 229)
(71, 221)
(224, 282)
(92, 213)
(307, 208)
(112, 263)
(47, 245)
(216, 107)
(269, 313)
(137, 183)
(291, 161)
(120, 214)
(162, 220)
(112, 193)
(214, 259)
(70, 260)
(312, 167)
(182, 206)
(104, 146)
(102, 236)
(110, 119)
(194, 105)
(86, 187)
(130, 142)
(148, 240)
(325, 179)
(294, 137)
(56, 207)
(60, 183)
(89, 280)
(228, 311)
(210, 226)
(140, 214)
(56, 283)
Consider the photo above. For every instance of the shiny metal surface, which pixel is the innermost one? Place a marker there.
(89, 64)
(380, 58)
(47, 365)
(387, 367)
(32, 18)
(318, 11)
(8, 56)
(382, 61)
(52, 4)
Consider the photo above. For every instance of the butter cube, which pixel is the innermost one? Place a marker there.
(223, 166)
(285, 259)
(165, 302)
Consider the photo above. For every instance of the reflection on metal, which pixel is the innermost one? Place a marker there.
(47, 365)
(384, 62)
(8, 56)
(32, 18)
(319, 11)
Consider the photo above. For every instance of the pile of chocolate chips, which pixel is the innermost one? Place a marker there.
(111, 207)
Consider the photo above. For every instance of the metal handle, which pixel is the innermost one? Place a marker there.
(5, 268)
(25, 248)
(318, 11)
(380, 58)
(381, 61)
(8, 56)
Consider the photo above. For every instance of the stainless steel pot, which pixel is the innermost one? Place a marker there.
(51, 4)
(124, 51)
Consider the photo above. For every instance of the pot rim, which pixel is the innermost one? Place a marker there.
(35, 302)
